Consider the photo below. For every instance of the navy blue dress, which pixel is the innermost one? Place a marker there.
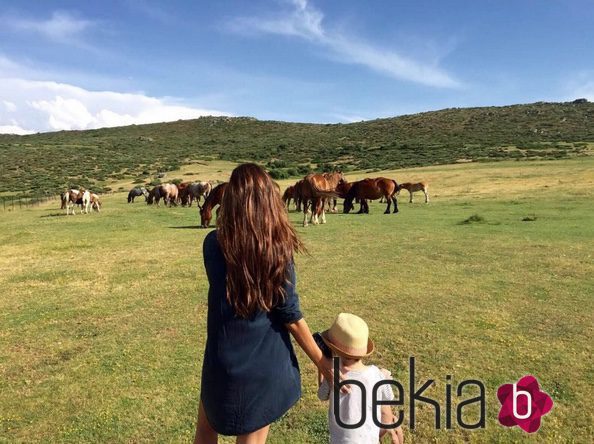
(250, 375)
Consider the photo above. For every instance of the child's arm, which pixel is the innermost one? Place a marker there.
(396, 436)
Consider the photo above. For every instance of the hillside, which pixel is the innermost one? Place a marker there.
(46, 163)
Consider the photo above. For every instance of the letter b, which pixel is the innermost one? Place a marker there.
(515, 394)
(337, 385)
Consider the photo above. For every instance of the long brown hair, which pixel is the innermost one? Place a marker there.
(257, 240)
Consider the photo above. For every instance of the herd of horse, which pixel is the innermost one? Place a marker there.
(315, 194)
(182, 194)
(87, 200)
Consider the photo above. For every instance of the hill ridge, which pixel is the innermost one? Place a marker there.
(49, 162)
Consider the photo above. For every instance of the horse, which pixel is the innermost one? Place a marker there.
(71, 198)
(214, 198)
(298, 194)
(153, 196)
(315, 188)
(372, 189)
(193, 191)
(95, 203)
(288, 195)
(412, 187)
(168, 192)
(136, 192)
(86, 200)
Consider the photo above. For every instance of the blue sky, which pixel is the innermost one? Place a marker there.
(79, 65)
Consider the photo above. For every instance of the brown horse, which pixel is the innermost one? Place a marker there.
(288, 195)
(298, 194)
(412, 187)
(214, 198)
(372, 189)
(315, 188)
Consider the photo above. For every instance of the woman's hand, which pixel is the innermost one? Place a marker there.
(302, 334)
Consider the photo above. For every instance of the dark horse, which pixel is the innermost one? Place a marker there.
(136, 192)
(372, 189)
(214, 198)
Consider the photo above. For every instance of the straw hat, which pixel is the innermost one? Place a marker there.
(349, 337)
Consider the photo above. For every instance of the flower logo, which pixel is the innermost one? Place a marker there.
(523, 404)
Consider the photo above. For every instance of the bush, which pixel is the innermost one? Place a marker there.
(278, 174)
(304, 169)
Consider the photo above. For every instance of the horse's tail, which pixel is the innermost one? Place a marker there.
(397, 189)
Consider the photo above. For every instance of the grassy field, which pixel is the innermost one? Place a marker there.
(103, 316)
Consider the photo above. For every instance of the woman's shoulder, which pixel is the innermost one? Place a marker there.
(211, 237)
(211, 243)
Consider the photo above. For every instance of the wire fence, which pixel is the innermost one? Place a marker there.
(13, 203)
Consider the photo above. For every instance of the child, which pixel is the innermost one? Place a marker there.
(348, 338)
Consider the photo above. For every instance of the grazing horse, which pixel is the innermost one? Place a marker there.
(412, 187)
(372, 189)
(288, 195)
(298, 194)
(95, 203)
(136, 192)
(168, 192)
(214, 198)
(195, 190)
(154, 196)
(315, 188)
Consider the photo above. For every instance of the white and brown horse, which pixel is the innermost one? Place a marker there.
(412, 187)
(73, 197)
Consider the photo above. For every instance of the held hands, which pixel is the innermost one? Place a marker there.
(326, 368)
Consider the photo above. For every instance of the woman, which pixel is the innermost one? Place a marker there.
(250, 375)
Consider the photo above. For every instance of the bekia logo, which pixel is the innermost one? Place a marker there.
(523, 404)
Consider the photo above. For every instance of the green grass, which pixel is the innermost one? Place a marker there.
(103, 316)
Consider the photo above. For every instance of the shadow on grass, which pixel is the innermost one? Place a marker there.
(55, 215)
(187, 227)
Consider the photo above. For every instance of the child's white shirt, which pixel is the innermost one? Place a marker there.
(350, 407)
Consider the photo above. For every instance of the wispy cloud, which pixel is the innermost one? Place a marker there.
(151, 10)
(62, 26)
(306, 22)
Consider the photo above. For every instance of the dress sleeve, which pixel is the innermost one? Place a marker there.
(288, 310)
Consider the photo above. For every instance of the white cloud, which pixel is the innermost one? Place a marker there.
(305, 21)
(61, 26)
(9, 106)
(14, 129)
(50, 106)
